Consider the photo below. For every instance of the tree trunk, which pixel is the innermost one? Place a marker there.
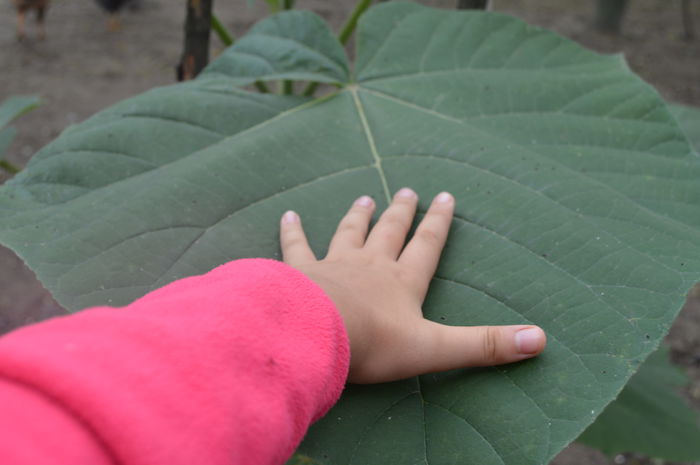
(609, 14)
(687, 16)
(195, 55)
(472, 4)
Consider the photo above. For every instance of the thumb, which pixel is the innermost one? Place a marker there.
(476, 346)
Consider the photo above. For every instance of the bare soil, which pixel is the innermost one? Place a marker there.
(82, 68)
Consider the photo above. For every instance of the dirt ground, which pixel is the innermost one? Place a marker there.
(82, 68)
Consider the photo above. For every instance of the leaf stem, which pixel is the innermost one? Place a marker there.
(274, 5)
(9, 167)
(262, 88)
(288, 4)
(221, 31)
(345, 33)
(350, 24)
(228, 40)
(310, 89)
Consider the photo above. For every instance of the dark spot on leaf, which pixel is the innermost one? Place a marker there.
(442, 318)
(544, 255)
(604, 372)
(647, 336)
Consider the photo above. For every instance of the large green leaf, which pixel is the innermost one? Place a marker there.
(649, 416)
(577, 210)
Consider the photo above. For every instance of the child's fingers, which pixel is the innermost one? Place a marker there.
(295, 247)
(435, 348)
(389, 234)
(422, 253)
(352, 229)
(453, 347)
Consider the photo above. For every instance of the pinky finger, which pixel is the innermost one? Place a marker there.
(295, 247)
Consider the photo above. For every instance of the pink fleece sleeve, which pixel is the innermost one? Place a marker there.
(226, 368)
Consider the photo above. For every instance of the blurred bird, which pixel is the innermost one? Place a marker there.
(113, 7)
(22, 6)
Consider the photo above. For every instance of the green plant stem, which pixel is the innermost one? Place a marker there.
(287, 86)
(221, 31)
(228, 40)
(262, 88)
(350, 24)
(345, 33)
(274, 5)
(310, 89)
(9, 167)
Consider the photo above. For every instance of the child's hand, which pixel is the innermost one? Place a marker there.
(378, 285)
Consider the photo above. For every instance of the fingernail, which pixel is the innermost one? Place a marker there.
(406, 193)
(364, 201)
(290, 217)
(444, 197)
(529, 340)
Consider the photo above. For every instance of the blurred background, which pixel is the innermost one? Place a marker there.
(90, 59)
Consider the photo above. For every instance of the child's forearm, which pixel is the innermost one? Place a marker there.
(229, 367)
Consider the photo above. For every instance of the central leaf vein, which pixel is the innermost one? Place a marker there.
(370, 139)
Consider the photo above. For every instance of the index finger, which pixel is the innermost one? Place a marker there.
(295, 247)
(422, 254)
